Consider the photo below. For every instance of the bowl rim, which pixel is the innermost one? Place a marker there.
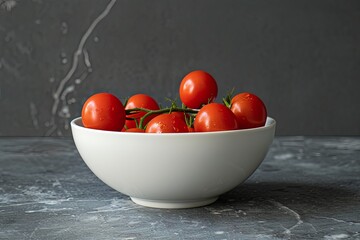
(77, 123)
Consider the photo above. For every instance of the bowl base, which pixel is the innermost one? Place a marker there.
(173, 204)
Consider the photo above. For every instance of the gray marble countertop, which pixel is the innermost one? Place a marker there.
(306, 188)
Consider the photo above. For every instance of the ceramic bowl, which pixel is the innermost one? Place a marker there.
(173, 170)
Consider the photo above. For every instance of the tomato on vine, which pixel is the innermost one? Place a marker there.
(198, 113)
(198, 88)
(103, 111)
(249, 109)
(167, 123)
(135, 130)
(215, 117)
(140, 101)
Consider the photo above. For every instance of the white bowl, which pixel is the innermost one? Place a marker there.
(173, 170)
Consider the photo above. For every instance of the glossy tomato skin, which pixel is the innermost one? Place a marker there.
(135, 130)
(167, 123)
(249, 109)
(103, 111)
(215, 117)
(198, 88)
(185, 117)
(182, 115)
(140, 101)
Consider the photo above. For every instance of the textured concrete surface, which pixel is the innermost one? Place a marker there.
(301, 57)
(306, 188)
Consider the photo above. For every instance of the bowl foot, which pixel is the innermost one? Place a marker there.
(173, 204)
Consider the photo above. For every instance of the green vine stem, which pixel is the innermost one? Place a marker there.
(227, 100)
(163, 110)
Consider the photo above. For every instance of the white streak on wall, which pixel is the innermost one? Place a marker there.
(74, 66)
(87, 59)
(8, 5)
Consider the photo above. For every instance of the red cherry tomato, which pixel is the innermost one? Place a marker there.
(198, 88)
(182, 115)
(250, 111)
(135, 130)
(140, 101)
(215, 117)
(103, 111)
(186, 117)
(167, 123)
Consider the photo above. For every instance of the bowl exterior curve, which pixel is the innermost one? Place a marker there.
(173, 167)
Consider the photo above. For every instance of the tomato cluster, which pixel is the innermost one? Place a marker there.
(199, 113)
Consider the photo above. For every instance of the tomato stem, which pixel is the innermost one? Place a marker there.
(164, 110)
(227, 100)
(173, 108)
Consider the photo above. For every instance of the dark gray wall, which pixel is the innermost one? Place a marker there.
(301, 57)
